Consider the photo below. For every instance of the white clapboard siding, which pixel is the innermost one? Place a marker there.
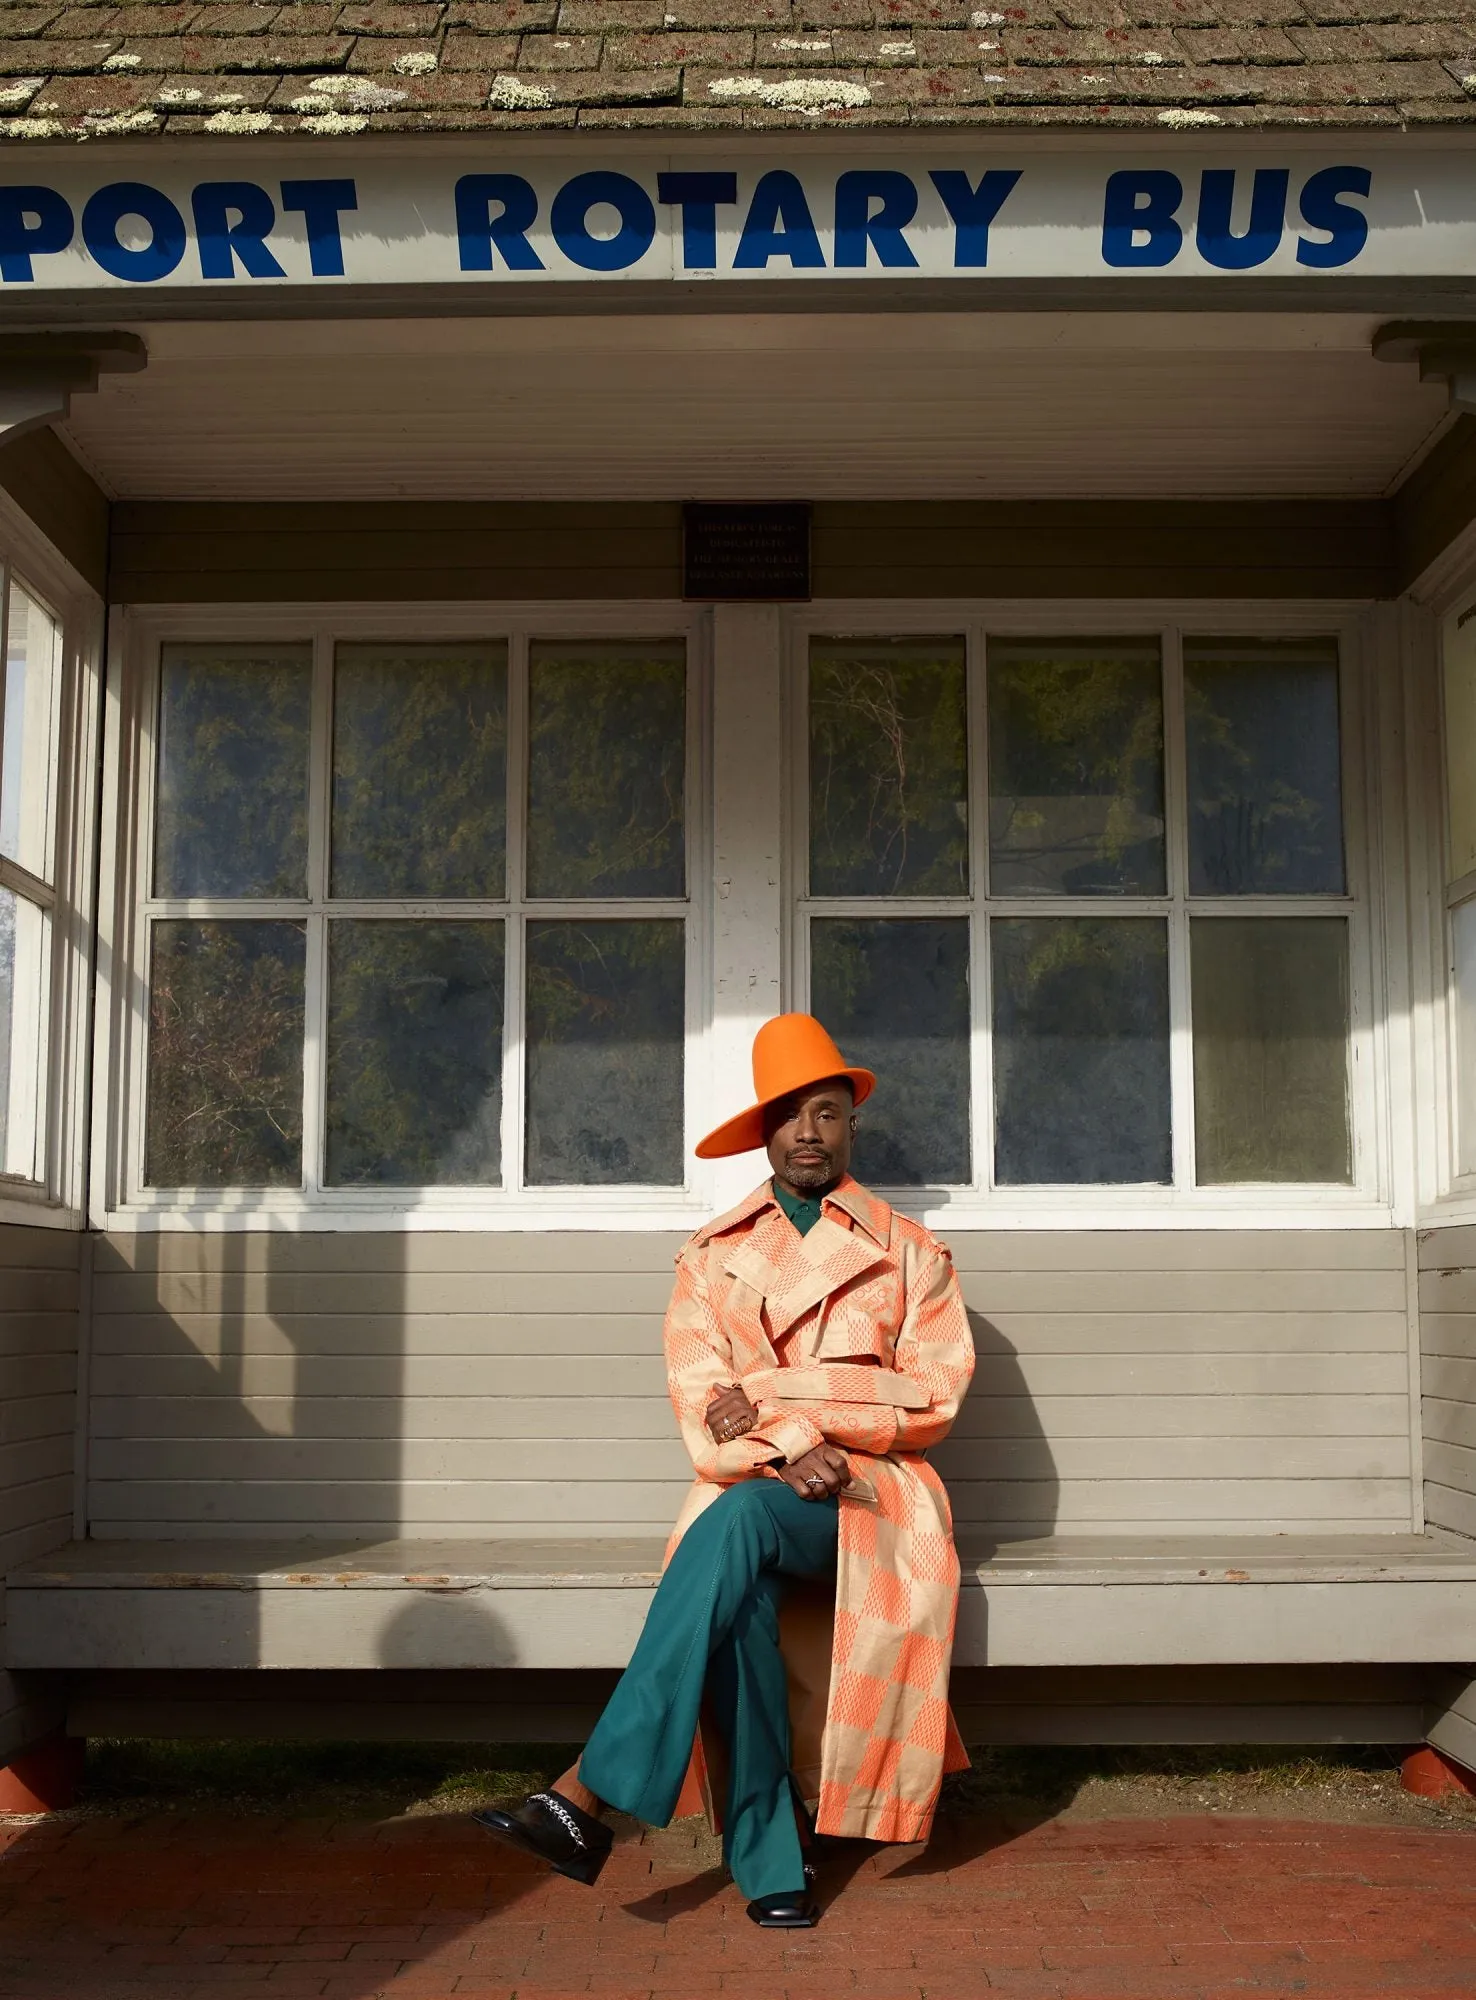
(38, 1415)
(466, 1384)
(1448, 1376)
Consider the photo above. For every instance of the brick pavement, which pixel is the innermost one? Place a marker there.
(172, 1907)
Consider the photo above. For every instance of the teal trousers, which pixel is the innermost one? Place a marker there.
(713, 1628)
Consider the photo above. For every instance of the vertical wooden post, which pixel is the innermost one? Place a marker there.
(748, 900)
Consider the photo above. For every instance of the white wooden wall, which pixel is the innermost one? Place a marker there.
(468, 1384)
(38, 1391)
(1448, 1375)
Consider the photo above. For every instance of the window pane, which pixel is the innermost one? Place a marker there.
(414, 1054)
(606, 1012)
(607, 753)
(1076, 767)
(1463, 952)
(420, 770)
(225, 1055)
(1271, 1049)
(25, 990)
(231, 812)
(28, 773)
(894, 992)
(1081, 1051)
(1265, 786)
(888, 768)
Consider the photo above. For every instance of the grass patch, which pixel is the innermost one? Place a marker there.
(352, 1779)
(316, 1778)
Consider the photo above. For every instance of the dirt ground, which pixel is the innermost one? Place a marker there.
(1020, 1787)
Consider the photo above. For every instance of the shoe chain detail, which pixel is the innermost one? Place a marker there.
(561, 1813)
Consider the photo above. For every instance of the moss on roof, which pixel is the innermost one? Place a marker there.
(156, 66)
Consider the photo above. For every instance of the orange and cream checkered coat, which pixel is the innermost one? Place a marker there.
(866, 1310)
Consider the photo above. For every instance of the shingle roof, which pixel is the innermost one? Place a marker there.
(334, 69)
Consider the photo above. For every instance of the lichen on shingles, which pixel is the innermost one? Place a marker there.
(808, 94)
(334, 125)
(21, 91)
(416, 62)
(239, 122)
(508, 93)
(347, 93)
(1179, 119)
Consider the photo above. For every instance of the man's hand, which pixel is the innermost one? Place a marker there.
(730, 1415)
(819, 1475)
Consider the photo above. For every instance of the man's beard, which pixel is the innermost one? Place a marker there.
(804, 1174)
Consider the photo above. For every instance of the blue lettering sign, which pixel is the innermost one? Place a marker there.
(1141, 204)
(569, 218)
(153, 260)
(698, 196)
(1346, 228)
(1212, 236)
(233, 219)
(779, 224)
(857, 226)
(320, 203)
(972, 209)
(34, 222)
(478, 229)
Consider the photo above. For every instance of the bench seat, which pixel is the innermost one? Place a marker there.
(1061, 1601)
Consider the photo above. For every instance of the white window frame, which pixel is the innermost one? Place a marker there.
(120, 1196)
(746, 943)
(61, 1042)
(1446, 593)
(1367, 1199)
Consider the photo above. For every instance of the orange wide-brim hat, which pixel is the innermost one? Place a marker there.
(792, 1052)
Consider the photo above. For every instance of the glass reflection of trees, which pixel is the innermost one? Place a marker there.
(225, 1054)
(606, 769)
(414, 1083)
(606, 1006)
(896, 989)
(1265, 783)
(1076, 767)
(230, 812)
(420, 770)
(888, 768)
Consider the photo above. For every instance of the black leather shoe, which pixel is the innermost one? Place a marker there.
(552, 1829)
(796, 1910)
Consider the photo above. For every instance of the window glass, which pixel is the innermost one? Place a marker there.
(1081, 1050)
(414, 1053)
(894, 992)
(225, 1054)
(606, 1011)
(1460, 741)
(28, 769)
(25, 960)
(1075, 767)
(606, 768)
(888, 768)
(231, 808)
(1271, 1049)
(1265, 786)
(420, 770)
(1463, 951)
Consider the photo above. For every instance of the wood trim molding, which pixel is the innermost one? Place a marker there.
(400, 551)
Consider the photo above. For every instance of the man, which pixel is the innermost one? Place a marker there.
(816, 1348)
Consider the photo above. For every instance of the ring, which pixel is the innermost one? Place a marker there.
(814, 1479)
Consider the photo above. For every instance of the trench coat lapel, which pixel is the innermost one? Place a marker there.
(791, 1273)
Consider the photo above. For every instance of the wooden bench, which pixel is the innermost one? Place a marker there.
(1066, 1601)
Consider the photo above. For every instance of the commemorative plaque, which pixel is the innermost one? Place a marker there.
(746, 554)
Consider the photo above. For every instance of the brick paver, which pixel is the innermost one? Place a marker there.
(174, 1907)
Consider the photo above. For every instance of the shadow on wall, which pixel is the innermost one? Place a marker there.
(250, 1387)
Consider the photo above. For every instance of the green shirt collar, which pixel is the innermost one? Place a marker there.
(802, 1210)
